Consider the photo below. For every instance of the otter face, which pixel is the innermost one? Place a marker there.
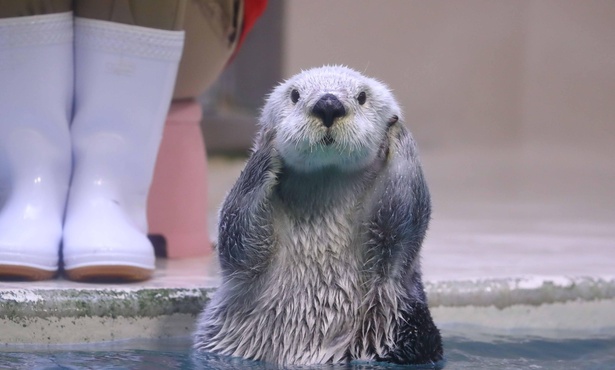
(329, 117)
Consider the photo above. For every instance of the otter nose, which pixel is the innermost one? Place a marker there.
(328, 108)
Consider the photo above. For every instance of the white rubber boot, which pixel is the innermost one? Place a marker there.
(124, 79)
(36, 90)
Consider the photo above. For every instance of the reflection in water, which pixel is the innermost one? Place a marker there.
(461, 353)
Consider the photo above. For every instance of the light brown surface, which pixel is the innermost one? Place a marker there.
(10, 272)
(109, 274)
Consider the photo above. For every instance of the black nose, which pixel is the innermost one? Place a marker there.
(328, 108)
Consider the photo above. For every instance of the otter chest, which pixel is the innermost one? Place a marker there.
(314, 284)
(317, 250)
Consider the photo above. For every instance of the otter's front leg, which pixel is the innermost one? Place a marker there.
(246, 229)
(396, 226)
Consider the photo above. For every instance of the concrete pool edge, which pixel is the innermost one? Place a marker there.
(535, 290)
(556, 307)
(53, 315)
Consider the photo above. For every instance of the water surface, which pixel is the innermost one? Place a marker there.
(500, 352)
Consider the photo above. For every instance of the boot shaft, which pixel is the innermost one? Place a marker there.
(124, 78)
(36, 75)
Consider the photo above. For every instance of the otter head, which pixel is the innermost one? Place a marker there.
(328, 117)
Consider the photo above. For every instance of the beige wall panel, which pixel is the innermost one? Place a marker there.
(454, 65)
(475, 72)
(569, 84)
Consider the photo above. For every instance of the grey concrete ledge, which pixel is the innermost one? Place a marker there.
(154, 302)
(60, 315)
(148, 302)
(553, 307)
(534, 291)
(68, 316)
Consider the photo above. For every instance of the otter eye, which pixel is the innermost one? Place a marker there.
(361, 98)
(294, 96)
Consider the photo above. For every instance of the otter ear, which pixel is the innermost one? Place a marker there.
(393, 120)
(400, 144)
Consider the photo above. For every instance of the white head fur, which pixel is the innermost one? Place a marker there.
(301, 138)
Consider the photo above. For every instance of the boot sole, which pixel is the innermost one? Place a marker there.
(108, 273)
(13, 272)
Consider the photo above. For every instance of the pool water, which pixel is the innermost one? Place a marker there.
(461, 353)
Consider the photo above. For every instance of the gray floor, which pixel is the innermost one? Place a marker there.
(528, 210)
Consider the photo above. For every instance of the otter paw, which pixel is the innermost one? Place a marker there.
(273, 169)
